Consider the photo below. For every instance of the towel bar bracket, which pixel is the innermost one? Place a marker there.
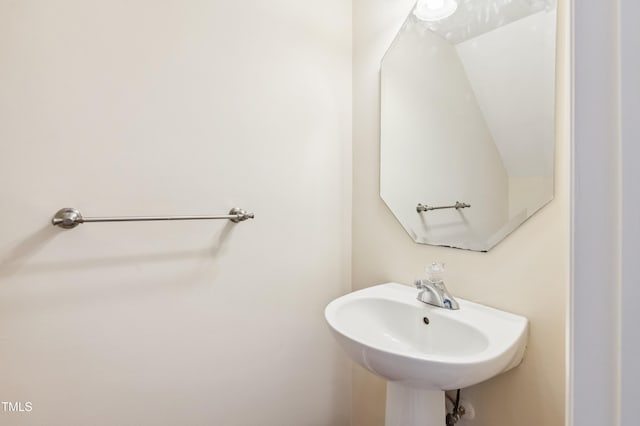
(67, 218)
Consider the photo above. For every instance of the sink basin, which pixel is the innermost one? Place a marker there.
(416, 346)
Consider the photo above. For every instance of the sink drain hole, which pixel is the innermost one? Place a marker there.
(425, 320)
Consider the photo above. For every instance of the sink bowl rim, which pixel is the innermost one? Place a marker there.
(398, 293)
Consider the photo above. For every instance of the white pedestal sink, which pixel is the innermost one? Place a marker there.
(423, 350)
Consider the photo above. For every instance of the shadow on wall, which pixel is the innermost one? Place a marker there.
(87, 286)
(17, 258)
(19, 255)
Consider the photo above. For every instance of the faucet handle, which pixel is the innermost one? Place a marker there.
(435, 272)
(419, 284)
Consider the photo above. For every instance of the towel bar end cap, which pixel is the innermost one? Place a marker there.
(241, 214)
(67, 218)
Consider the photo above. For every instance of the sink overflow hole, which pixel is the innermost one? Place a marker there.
(425, 320)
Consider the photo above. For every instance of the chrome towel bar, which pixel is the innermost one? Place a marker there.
(457, 205)
(68, 218)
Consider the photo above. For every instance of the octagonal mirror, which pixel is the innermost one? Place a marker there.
(467, 119)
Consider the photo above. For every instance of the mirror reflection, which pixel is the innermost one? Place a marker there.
(467, 113)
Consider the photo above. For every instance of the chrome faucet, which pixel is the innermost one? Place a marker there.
(433, 291)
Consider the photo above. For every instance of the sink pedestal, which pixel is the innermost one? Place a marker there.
(408, 406)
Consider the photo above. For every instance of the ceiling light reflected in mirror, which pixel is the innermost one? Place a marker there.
(434, 10)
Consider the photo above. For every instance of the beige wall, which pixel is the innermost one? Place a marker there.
(174, 107)
(527, 273)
